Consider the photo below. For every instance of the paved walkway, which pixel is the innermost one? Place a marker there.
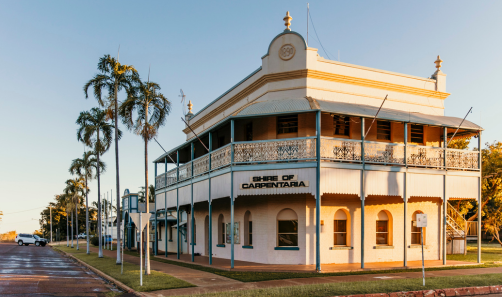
(211, 283)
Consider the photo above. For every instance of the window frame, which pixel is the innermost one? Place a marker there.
(415, 134)
(339, 232)
(287, 129)
(413, 225)
(343, 121)
(386, 232)
(287, 233)
(383, 130)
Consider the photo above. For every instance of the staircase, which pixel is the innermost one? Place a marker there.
(455, 231)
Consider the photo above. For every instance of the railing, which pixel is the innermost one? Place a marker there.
(456, 222)
(185, 171)
(221, 157)
(275, 150)
(335, 149)
(462, 159)
(384, 153)
(425, 156)
(201, 165)
(332, 149)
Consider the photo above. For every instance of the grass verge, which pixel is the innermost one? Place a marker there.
(371, 287)
(155, 281)
(251, 276)
(491, 252)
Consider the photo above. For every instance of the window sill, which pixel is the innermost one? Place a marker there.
(417, 246)
(287, 248)
(247, 246)
(341, 248)
(170, 240)
(193, 243)
(220, 245)
(383, 247)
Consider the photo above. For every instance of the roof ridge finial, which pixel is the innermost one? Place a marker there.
(287, 19)
(190, 105)
(438, 63)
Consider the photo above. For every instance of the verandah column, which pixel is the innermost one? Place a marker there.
(177, 205)
(210, 231)
(156, 245)
(318, 193)
(445, 138)
(231, 194)
(192, 237)
(405, 194)
(479, 199)
(362, 192)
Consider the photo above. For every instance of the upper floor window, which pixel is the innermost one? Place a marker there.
(383, 130)
(249, 131)
(287, 124)
(341, 125)
(417, 133)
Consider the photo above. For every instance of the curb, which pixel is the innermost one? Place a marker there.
(119, 284)
(467, 291)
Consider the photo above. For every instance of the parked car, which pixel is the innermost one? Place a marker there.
(27, 239)
(82, 236)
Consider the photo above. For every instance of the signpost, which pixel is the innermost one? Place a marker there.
(421, 223)
(140, 219)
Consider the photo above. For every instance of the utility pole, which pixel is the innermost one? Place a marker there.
(50, 210)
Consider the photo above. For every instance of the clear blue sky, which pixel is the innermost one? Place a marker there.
(49, 49)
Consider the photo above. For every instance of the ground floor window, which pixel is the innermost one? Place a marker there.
(287, 228)
(340, 228)
(221, 229)
(382, 229)
(248, 229)
(415, 231)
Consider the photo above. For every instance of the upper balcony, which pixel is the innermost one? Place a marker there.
(286, 133)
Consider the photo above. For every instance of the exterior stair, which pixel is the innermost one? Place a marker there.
(455, 231)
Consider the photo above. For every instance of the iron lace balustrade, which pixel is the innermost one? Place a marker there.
(160, 181)
(171, 177)
(384, 153)
(221, 157)
(276, 150)
(340, 149)
(201, 165)
(425, 156)
(462, 159)
(186, 171)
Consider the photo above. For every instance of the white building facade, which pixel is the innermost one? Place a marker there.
(293, 168)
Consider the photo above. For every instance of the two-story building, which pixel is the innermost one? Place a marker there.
(294, 166)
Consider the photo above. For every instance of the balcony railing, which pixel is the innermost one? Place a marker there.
(332, 150)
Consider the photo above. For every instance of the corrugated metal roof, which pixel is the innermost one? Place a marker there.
(302, 105)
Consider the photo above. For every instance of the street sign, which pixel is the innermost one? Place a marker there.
(421, 220)
(145, 217)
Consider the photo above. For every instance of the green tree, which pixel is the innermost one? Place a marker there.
(460, 143)
(86, 167)
(1, 214)
(96, 132)
(74, 190)
(151, 194)
(144, 112)
(112, 77)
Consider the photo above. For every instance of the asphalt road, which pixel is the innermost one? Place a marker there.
(40, 271)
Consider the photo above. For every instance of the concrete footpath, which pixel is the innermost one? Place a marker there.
(211, 283)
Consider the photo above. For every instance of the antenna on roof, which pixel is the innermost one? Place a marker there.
(183, 101)
(470, 109)
(195, 134)
(365, 134)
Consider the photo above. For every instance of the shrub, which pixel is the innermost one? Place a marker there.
(95, 240)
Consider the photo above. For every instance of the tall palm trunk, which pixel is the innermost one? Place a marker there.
(67, 230)
(86, 215)
(71, 225)
(100, 254)
(147, 256)
(117, 170)
(76, 220)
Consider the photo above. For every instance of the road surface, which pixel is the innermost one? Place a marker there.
(40, 271)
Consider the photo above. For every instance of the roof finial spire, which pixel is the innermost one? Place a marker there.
(287, 19)
(438, 63)
(190, 105)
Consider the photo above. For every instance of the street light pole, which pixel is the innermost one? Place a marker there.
(50, 210)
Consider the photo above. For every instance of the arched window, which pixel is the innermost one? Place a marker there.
(221, 229)
(287, 228)
(248, 229)
(384, 228)
(415, 231)
(341, 228)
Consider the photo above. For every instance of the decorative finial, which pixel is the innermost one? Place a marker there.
(438, 63)
(190, 105)
(287, 19)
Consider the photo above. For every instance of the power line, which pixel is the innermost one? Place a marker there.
(25, 210)
(315, 31)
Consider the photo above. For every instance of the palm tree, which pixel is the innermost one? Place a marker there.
(62, 199)
(96, 132)
(74, 189)
(84, 167)
(113, 77)
(151, 194)
(151, 109)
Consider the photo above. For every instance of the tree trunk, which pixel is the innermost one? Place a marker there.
(76, 220)
(119, 261)
(147, 250)
(71, 228)
(67, 230)
(87, 216)
(100, 254)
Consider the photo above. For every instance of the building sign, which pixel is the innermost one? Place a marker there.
(274, 181)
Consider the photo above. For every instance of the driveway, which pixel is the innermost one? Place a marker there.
(30, 270)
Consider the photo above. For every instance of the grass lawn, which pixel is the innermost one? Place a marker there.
(155, 281)
(490, 252)
(369, 287)
(245, 276)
